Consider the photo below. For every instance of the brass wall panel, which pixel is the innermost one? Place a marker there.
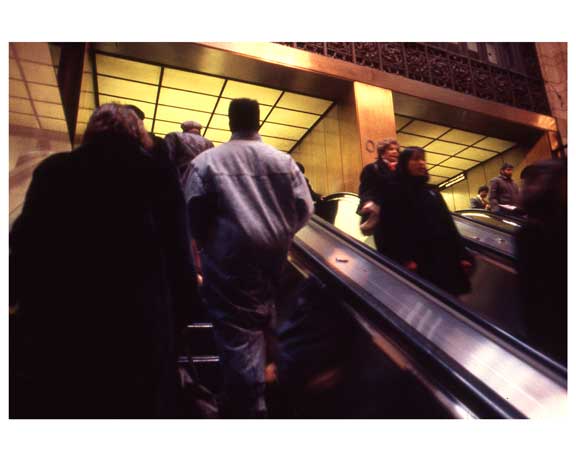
(448, 196)
(375, 116)
(352, 159)
(461, 195)
(476, 178)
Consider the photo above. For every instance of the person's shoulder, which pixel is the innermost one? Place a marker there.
(53, 162)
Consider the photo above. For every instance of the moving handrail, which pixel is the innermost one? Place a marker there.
(502, 375)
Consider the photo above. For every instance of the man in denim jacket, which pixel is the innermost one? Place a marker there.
(246, 201)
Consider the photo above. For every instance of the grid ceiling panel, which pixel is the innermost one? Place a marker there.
(127, 89)
(187, 100)
(264, 95)
(461, 137)
(18, 88)
(14, 70)
(177, 96)
(145, 107)
(460, 163)
(39, 73)
(192, 82)
(401, 122)
(408, 140)
(49, 109)
(53, 124)
(303, 103)
(126, 69)
(443, 171)
(24, 120)
(434, 159)
(21, 106)
(45, 93)
(429, 130)
(436, 179)
(495, 144)
(282, 131)
(479, 155)
(446, 148)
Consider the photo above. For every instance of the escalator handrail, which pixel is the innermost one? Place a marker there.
(444, 297)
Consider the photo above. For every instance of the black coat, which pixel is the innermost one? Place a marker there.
(415, 225)
(374, 182)
(102, 274)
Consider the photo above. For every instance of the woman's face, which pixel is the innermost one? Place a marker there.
(417, 165)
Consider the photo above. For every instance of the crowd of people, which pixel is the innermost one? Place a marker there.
(124, 239)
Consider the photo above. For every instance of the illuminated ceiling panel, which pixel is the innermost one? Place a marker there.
(444, 172)
(18, 88)
(447, 148)
(44, 93)
(174, 114)
(291, 117)
(84, 115)
(14, 70)
(34, 52)
(449, 151)
(24, 120)
(479, 155)
(218, 135)
(145, 107)
(39, 73)
(187, 100)
(463, 164)
(282, 131)
(48, 109)
(190, 81)
(435, 158)
(407, 140)
(303, 103)
(436, 179)
(498, 145)
(126, 89)
(53, 124)
(263, 95)
(429, 130)
(401, 122)
(130, 70)
(462, 137)
(169, 97)
(21, 105)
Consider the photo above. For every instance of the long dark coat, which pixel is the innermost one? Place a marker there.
(416, 225)
(102, 275)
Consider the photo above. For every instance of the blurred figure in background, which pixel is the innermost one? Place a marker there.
(315, 196)
(418, 230)
(480, 200)
(504, 194)
(541, 246)
(103, 278)
(374, 179)
(185, 147)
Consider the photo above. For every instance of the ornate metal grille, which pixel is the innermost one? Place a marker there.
(446, 68)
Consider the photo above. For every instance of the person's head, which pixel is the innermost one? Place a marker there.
(544, 188)
(137, 111)
(506, 170)
(388, 150)
(412, 164)
(244, 115)
(483, 191)
(117, 121)
(191, 127)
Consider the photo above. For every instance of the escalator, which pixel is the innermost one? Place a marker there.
(490, 238)
(458, 362)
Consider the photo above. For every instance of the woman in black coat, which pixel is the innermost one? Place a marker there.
(102, 276)
(417, 229)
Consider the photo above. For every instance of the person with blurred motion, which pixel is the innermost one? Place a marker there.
(374, 180)
(480, 200)
(504, 194)
(103, 279)
(253, 199)
(418, 230)
(185, 146)
(542, 248)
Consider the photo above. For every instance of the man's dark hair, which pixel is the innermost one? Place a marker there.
(244, 115)
(137, 110)
(483, 189)
(505, 166)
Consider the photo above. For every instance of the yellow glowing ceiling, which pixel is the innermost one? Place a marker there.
(34, 98)
(449, 151)
(169, 97)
